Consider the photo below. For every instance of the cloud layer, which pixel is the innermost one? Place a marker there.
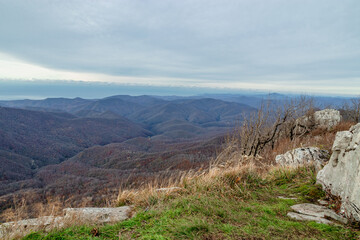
(236, 43)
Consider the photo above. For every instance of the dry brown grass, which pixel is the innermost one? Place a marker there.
(228, 162)
(189, 182)
(28, 205)
(24, 209)
(140, 196)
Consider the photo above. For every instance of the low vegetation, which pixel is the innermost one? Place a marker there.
(241, 202)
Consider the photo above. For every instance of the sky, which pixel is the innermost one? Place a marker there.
(223, 45)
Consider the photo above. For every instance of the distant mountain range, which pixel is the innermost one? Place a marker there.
(180, 118)
(44, 142)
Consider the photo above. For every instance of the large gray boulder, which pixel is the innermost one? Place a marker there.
(327, 118)
(303, 156)
(340, 178)
(324, 119)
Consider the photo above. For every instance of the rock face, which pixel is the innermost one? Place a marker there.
(72, 216)
(325, 119)
(302, 156)
(340, 178)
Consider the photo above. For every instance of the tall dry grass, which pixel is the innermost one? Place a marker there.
(229, 162)
(22, 208)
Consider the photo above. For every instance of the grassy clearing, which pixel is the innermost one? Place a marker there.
(241, 203)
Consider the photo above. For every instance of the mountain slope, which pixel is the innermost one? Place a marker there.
(48, 138)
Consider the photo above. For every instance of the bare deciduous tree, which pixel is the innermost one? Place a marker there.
(272, 121)
(352, 109)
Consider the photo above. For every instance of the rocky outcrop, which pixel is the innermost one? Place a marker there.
(71, 216)
(302, 156)
(340, 178)
(313, 212)
(324, 119)
(327, 118)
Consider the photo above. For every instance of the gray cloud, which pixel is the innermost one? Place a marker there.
(231, 40)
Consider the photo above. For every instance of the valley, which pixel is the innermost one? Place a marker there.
(77, 149)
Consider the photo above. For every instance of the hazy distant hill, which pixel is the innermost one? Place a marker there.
(121, 104)
(91, 122)
(50, 104)
(143, 100)
(168, 119)
(255, 100)
(198, 111)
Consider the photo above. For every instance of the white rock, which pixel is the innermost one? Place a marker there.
(341, 176)
(97, 215)
(302, 156)
(327, 118)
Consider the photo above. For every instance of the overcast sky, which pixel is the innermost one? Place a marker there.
(285, 45)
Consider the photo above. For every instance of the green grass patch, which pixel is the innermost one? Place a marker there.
(230, 207)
